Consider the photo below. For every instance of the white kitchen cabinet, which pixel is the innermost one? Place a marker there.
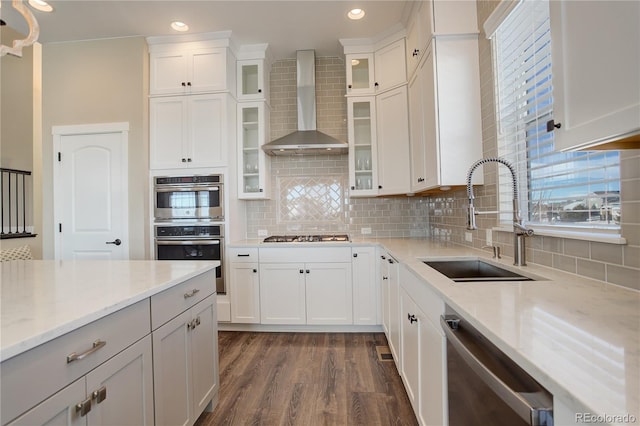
(102, 353)
(370, 73)
(118, 392)
(254, 166)
(189, 131)
(363, 149)
(366, 286)
(185, 360)
(419, 33)
(384, 291)
(244, 285)
(253, 80)
(296, 291)
(393, 142)
(445, 116)
(423, 349)
(392, 299)
(360, 74)
(596, 74)
(183, 69)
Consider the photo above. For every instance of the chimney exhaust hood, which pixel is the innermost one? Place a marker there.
(307, 140)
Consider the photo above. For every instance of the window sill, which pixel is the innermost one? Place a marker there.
(599, 237)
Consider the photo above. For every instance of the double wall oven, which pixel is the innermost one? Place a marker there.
(189, 220)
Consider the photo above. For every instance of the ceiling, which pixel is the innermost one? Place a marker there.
(286, 26)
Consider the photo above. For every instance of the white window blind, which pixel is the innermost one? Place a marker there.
(575, 189)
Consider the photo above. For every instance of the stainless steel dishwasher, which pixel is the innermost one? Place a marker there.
(486, 387)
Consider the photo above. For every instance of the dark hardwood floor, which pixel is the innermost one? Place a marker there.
(307, 379)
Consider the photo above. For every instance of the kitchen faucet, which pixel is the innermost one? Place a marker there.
(520, 231)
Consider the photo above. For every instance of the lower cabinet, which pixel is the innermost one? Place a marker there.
(366, 287)
(245, 293)
(393, 299)
(306, 293)
(423, 349)
(118, 392)
(185, 354)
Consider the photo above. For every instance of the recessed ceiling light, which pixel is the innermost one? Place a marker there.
(355, 14)
(41, 5)
(179, 26)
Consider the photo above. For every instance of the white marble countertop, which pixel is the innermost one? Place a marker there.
(580, 338)
(44, 299)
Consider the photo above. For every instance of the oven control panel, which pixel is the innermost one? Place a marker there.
(195, 231)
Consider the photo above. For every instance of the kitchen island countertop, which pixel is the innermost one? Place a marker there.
(44, 299)
(580, 338)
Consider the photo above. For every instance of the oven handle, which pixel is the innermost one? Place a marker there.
(190, 188)
(534, 416)
(187, 243)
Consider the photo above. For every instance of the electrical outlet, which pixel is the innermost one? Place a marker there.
(468, 237)
(365, 231)
(489, 238)
(262, 233)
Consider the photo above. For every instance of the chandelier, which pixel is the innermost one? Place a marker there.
(32, 37)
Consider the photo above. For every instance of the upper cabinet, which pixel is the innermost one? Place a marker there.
(253, 164)
(596, 74)
(253, 81)
(372, 72)
(363, 156)
(177, 69)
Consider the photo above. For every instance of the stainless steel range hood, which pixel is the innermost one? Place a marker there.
(307, 140)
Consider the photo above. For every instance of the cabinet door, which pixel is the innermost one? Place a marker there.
(207, 126)
(394, 312)
(366, 289)
(167, 132)
(393, 142)
(253, 164)
(363, 155)
(390, 66)
(433, 373)
(282, 293)
(428, 165)
(207, 70)
(168, 72)
(385, 292)
(204, 354)
(172, 372)
(329, 293)
(410, 323)
(596, 74)
(360, 74)
(57, 410)
(122, 388)
(252, 80)
(244, 291)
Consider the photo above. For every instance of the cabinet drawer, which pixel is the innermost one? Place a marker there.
(306, 254)
(426, 299)
(242, 255)
(29, 378)
(170, 303)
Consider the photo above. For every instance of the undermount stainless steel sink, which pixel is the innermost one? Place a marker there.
(471, 270)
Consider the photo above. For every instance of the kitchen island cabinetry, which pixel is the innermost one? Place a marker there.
(185, 351)
(189, 131)
(596, 74)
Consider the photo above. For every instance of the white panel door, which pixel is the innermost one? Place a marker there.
(91, 194)
(282, 293)
(329, 293)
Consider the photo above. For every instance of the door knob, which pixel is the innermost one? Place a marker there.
(116, 242)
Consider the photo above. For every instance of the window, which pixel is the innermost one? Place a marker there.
(580, 190)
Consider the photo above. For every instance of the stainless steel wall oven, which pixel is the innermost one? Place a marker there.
(188, 197)
(192, 242)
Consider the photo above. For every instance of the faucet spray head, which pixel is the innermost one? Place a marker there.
(471, 216)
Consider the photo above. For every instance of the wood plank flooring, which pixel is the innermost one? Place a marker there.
(307, 379)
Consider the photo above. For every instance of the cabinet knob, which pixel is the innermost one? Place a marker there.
(412, 318)
(552, 125)
(259, 90)
(355, 254)
(382, 257)
(379, 186)
(390, 261)
(308, 271)
(376, 84)
(420, 179)
(416, 52)
(261, 190)
(184, 160)
(83, 407)
(349, 86)
(183, 84)
(255, 271)
(385, 278)
(353, 187)
(100, 394)
(302, 271)
(188, 160)
(189, 83)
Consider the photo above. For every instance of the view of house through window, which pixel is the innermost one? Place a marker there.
(576, 189)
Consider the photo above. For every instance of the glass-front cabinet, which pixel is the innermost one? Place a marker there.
(253, 163)
(363, 162)
(252, 81)
(360, 75)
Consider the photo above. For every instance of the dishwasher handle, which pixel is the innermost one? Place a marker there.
(535, 416)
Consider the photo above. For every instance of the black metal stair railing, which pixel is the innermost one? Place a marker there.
(15, 191)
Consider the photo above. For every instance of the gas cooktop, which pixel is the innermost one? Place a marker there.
(307, 238)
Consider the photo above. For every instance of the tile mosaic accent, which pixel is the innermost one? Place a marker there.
(302, 199)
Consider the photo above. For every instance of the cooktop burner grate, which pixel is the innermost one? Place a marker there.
(307, 238)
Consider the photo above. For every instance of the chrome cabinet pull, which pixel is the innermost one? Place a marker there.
(77, 357)
(191, 293)
(83, 407)
(100, 394)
